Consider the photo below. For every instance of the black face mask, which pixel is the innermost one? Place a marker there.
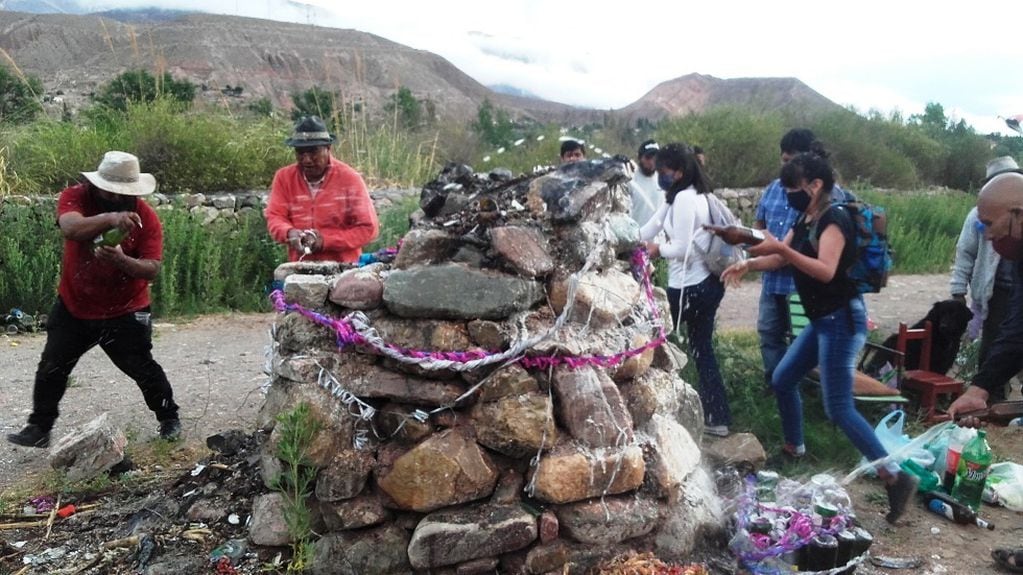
(799, 200)
(121, 204)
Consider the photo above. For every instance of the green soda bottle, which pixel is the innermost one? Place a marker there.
(111, 238)
(971, 474)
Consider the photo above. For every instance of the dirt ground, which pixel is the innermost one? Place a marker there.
(216, 364)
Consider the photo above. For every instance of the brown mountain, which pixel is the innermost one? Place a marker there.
(74, 55)
(697, 92)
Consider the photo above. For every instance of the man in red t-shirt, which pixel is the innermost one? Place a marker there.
(103, 297)
(319, 206)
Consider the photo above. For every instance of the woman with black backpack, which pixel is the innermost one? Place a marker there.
(694, 293)
(821, 247)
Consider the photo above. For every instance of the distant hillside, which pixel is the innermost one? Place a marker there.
(73, 55)
(698, 92)
(142, 15)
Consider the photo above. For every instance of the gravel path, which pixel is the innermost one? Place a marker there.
(215, 364)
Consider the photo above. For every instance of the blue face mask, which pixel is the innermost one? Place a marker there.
(665, 181)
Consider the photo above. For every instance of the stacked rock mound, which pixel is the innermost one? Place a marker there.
(502, 399)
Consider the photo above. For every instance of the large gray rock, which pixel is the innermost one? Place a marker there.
(570, 473)
(359, 288)
(381, 551)
(224, 201)
(453, 291)
(575, 191)
(447, 469)
(89, 451)
(608, 520)
(524, 249)
(516, 425)
(454, 536)
(268, 526)
(625, 232)
(584, 242)
(591, 408)
(306, 290)
(603, 299)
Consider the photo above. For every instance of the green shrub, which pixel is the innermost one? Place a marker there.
(30, 251)
(19, 96)
(221, 266)
(741, 145)
(139, 86)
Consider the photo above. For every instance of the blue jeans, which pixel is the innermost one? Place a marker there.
(699, 307)
(831, 342)
(773, 326)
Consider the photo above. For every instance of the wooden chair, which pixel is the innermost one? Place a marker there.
(928, 384)
(861, 380)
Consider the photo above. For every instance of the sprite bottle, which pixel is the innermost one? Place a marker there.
(111, 238)
(971, 474)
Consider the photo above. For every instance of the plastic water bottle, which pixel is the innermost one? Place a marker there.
(971, 474)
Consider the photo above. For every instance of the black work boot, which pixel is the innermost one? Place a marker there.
(170, 429)
(31, 436)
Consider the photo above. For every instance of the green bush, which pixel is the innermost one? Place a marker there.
(139, 86)
(221, 266)
(19, 96)
(741, 146)
(30, 251)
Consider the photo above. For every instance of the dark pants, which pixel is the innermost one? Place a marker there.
(128, 342)
(997, 309)
(774, 324)
(699, 307)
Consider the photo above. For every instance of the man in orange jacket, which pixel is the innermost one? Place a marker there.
(319, 206)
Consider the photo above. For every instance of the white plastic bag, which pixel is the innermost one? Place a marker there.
(1005, 485)
(896, 443)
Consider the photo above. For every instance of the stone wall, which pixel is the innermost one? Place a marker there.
(213, 206)
(742, 201)
(532, 464)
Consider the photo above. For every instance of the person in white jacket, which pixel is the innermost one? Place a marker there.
(647, 195)
(694, 293)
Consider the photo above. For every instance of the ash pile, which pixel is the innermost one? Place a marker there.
(499, 396)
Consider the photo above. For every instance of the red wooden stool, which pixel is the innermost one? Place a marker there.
(927, 383)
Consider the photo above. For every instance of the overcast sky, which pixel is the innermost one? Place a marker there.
(876, 54)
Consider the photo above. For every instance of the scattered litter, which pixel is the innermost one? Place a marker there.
(198, 469)
(935, 530)
(896, 562)
(517, 206)
(232, 550)
(66, 511)
(18, 544)
(190, 493)
(233, 519)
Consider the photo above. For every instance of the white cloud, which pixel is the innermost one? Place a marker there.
(872, 54)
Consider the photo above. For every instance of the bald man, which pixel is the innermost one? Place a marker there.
(1000, 210)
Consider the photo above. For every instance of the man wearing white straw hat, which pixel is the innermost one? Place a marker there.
(113, 246)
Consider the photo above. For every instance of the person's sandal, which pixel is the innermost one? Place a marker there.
(1009, 559)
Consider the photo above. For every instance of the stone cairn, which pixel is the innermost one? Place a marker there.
(499, 397)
